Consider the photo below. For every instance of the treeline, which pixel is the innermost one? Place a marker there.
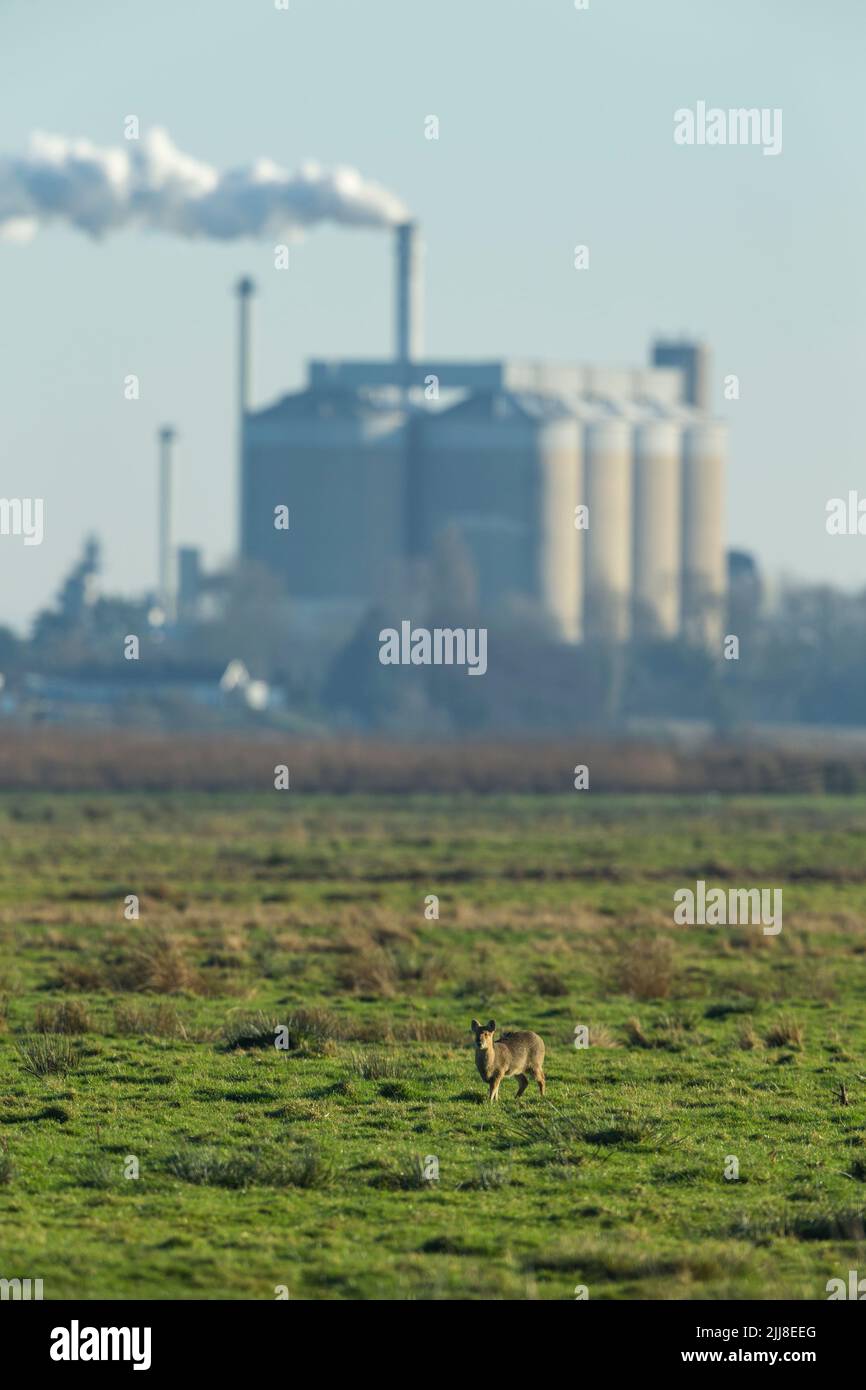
(54, 760)
(803, 662)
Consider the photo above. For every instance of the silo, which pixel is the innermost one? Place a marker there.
(608, 549)
(703, 555)
(335, 459)
(559, 560)
(502, 468)
(657, 489)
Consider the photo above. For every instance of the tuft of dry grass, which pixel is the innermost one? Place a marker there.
(369, 972)
(635, 1035)
(549, 984)
(427, 1030)
(600, 1036)
(67, 1016)
(82, 978)
(155, 965)
(157, 1020)
(747, 1038)
(672, 1035)
(785, 1032)
(7, 1167)
(645, 968)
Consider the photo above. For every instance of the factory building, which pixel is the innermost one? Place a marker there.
(375, 460)
(336, 460)
(656, 444)
(503, 468)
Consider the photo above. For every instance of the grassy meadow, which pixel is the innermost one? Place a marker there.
(148, 1046)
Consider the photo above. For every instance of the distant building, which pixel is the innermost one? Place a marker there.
(376, 459)
(79, 590)
(745, 589)
(189, 588)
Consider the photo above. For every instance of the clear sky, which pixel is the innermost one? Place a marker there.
(556, 128)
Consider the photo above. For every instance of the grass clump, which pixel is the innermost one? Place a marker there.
(48, 1054)
(378, 1066)
(309, 1166)
(785, 1032)
(157, 1020)
(488, 1177)
(7, 1167)
(411, 1173)
(68, 1016)
(305, 1030)
(645, 968)
(156, 964)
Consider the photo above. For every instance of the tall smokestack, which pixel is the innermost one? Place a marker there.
(167, 437)
(693, 360)
(409, 291)
(244, 289)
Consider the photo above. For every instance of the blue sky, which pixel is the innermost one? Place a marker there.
(556, 127)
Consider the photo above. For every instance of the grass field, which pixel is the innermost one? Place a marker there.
(150, 1044)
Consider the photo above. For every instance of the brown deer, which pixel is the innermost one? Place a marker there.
(515, 1054)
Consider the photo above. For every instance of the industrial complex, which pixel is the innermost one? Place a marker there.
(596, 494)
(593, 496)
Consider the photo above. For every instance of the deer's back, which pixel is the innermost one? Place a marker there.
(519, 1051)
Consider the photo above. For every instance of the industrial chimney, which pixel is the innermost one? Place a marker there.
(693, 360)
(166, 437)
(244, 289)
(409, 291)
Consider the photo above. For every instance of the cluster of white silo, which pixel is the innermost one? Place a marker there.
(653, 551)
(511, 470)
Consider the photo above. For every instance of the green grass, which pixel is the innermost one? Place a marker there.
(148, 1046)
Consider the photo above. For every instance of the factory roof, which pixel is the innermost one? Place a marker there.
(324, 403)
(548, 378)
(497, 405)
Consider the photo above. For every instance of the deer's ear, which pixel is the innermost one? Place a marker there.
(491, 1027)
(475, 1026)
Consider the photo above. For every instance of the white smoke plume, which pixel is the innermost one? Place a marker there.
(152, 184)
